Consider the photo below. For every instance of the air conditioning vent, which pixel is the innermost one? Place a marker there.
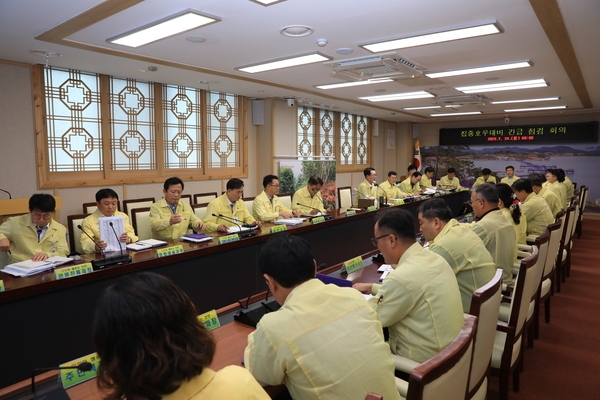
(383, 65)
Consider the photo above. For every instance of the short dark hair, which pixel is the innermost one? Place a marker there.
(106, 194)
(147, 333)
(451, 170)
(522, 184)
(489, 193)
(435, 208)
(428, 170)
(535, 180)
(315, 180)
(411, 167)
(537, 175)
(368, 171)
(560, 174)
(505, 193)
(400, 222)
(42, 202)
(486, 171)
(509, 166)
(268, 179)
(392, 173)
(416, 173)
(172, 182)
(288, 259)
(234, 183)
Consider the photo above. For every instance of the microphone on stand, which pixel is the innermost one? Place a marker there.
(243, 234)
(382, 203)
(123, 256)
(365, 195)
(95, 264)
(324, 215)
(83, 367)
(105, 262)
(6, 191)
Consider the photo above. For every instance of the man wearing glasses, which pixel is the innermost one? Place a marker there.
(229, 209)
(419, 301)
(494, 229)
(267, 207)
(34, 236)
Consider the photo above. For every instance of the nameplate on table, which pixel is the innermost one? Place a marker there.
(352, 265)
(229, 238)
(399, 202)
(371, 208)
(423, 197)
(74, 270)
(317, 220)
(1, 285)
(436, 194)
(169, 251)
(72, 377)
(278, 228)
(350, 213)
(210, 320)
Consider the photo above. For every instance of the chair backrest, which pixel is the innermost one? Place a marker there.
(200, 210)
(525, 287)
(140, 220)
(248, 202)
(445, 375)
(555, 232)
(485, 305)
(344, 197)
(201, 198)
(186, 199)
(130, 204)
(286, 200)
(571, 224)
(584, 196)
(74, 232)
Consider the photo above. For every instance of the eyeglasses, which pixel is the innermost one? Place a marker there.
(471, 203)
(45, 217)
(375, 240)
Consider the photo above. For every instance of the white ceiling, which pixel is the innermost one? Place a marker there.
(249, 33)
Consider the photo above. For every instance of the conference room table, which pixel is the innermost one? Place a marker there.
(47, 322)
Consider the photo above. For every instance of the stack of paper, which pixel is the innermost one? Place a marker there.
(29, 267)
(290, 221)
(196, 237)
(145, 244)
(236, 229)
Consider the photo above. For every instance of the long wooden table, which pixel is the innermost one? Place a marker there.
(46, 322)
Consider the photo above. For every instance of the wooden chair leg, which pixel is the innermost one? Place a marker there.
(516, 385)
(547, 309)
(503, 380)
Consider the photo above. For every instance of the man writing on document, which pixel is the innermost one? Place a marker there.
(308, 200)
(389, 187)
(266, 206)
(229, 209)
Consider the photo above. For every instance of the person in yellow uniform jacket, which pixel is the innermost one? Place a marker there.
(426, 178)
(510, 177)
(106, 201)
(511, 208)
(568, 184)
(410, 186)
(449, 181)
(35, 236)
(267, 207)
(368, 188)
(389, 187)
(486, 177)
(535, 208)
(170, 218)
(228, 209)
(308, 200)
(537, 183)
(553, 178)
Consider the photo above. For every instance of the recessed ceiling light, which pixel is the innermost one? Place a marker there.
(536, 109)
(284, 62)
(344, 50)
(420, 108)
(267, 3)
(349, 84)
(163, 28)
(434, 37)
(296, 31)
(525, 100)
(45, 53)
(455, 114)
(195, 39)
(477, 70)
(503, 86)
(397, 96)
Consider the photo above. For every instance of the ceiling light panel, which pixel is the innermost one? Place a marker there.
(350, 84)
(455, 114)
(434, 37)
(267, 3)
(420, 108)
(535, 109)
(163, 28)
(397, 96)
(534, 83)
(477, 70)
(525, 100)
(284, 63)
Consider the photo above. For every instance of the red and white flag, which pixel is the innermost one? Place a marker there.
(417, 155)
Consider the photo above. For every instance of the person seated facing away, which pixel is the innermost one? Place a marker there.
(228, 209)
(153, 346)
(325, 342)
(568, 183)
(511, 208)
(486, 177)
(308, 200)
(554, 181)
(459, 246)
(537, 184)
(35, 236)
(368, 188)
(410, 186)
(419, 301)
(536, 210)
(389, 187)
(449, 181)
(106, 200)
(411, 169)
(170, 218)
(510, 177)
(494, 229)
(426, 179)
(267, 207)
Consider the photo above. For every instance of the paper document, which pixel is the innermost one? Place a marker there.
(28, 267)
(236, 229)
(110, 237)
(385, 267)
(145, 244)
(196, 237)
(290, 221)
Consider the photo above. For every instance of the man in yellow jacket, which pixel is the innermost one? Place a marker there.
(267, 207)
(228, 209)
(486, 177)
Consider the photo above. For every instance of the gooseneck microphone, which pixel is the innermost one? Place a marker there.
(366, 196)
(123, 258)
(106, 261)
(242, 234)
(324, 215)
(83, 367)
(116, 236)
(7, 192)
(95, 244)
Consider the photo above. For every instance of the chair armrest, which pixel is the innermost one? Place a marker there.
(402, 387)
(531, 239)
(404, 364)
(504, 327)
(525, 247)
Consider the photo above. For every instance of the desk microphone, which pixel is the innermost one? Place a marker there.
(83, 367)
(106, 262)
(118, 241)
(381, 198)
(95, 244)
(243, 234)
(324, 215)
(365, 195)
(6, 191)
